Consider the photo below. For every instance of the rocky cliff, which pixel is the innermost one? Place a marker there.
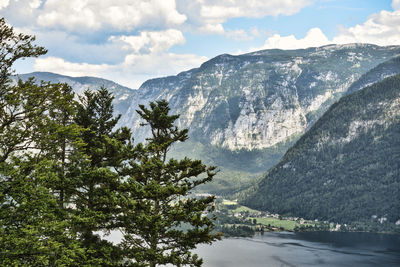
(261, 99)
(243, 112)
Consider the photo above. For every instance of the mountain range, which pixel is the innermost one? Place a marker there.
(243, 112)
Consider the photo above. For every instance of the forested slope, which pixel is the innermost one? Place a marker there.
(346, 168)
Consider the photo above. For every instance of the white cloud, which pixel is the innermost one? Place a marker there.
(396, 4)
(121, 15)
(211, 29)
(64, 67)
(132, 72)
(210, 14)
(161, 64)
(242, 35)
(152, 42)
(238, 35)
(205, 16)
(381, 29)
(146, 57)
(149, 54)
(35, 3)
(223, 9)
(255, 32)
(4, 3)
(62, 44)
(314, 37)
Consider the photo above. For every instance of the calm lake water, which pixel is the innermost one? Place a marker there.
(304, 249)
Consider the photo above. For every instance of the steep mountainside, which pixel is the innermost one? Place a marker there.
(123, 95)
(380, 72)
(243, 112)
(261, 99)
(346, 168)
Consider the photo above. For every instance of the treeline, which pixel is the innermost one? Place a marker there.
(346, 168)
(68, 176)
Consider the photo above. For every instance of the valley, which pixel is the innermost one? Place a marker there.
(207, 133)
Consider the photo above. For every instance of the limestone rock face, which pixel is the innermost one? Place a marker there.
(244, 112)
(260, 99)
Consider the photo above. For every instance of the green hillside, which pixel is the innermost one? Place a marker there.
(346, 168)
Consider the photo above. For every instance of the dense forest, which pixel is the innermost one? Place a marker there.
(69, 177)
(346, 168)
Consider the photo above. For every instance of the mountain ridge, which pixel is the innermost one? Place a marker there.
(243, 112)
(191, 92)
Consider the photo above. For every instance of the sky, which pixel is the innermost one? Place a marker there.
(130, 41)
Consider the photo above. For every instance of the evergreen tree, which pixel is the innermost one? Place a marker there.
(33, 232)
(66, 175)
(96, 188)
(33, 229)
(156, 201)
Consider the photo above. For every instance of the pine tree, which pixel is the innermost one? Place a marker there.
(66, 174)
(161, 222)
(96, 188)
(33, 231)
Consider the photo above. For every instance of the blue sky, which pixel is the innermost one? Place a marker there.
(130, 41)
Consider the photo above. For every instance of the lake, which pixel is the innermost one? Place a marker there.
(304, 249)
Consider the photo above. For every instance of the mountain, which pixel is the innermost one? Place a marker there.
(383, 70)
(260, 99)
(243, 112)
(123, 95)
(346, 168)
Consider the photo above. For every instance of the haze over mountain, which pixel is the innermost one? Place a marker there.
(123, 95)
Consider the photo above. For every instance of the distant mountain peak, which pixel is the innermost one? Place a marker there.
(260, 99)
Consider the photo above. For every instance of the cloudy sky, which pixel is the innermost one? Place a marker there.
(130, 41)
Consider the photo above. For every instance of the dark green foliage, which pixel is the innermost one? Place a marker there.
(156, 201)
(24, 115)
(67, 176)
(346, 167)
(34, 228)
(32, 233)
(96, 185)
(236, 231)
